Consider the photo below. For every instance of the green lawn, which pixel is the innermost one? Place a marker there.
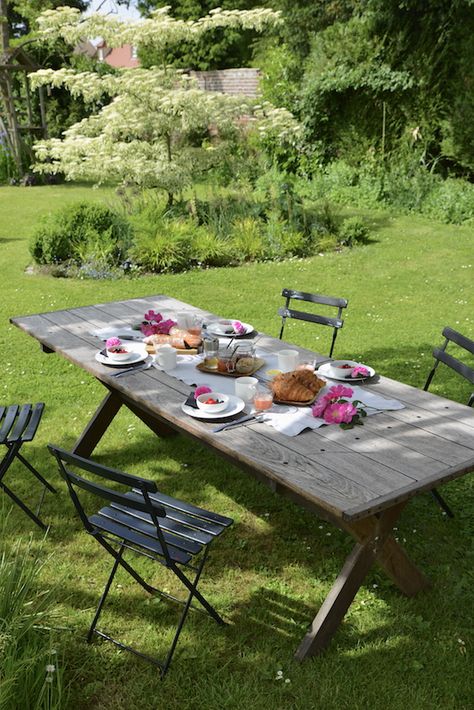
(275, 566)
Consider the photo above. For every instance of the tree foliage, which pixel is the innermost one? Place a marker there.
(159, 129)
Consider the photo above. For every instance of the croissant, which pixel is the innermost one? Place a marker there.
(296, 386)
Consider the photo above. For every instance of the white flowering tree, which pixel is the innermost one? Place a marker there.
(159, 129)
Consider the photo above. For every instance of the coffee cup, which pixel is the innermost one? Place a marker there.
(246, 387)
(288, 360)
(166, 357)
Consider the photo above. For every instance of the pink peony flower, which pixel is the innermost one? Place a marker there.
(360, 371)
(333, 413)
(319, 407)
(113, 342)
(202, 389)
(338, 391)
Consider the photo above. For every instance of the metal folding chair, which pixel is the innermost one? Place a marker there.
(440, 355)
(147, 523)
(18, 425)
(335, 323)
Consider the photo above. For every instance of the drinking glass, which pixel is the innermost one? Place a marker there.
(195, 326)
(263, 400)
(211, 349)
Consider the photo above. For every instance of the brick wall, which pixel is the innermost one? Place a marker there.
(229, 81)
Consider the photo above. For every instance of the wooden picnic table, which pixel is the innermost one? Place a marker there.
(359, 479)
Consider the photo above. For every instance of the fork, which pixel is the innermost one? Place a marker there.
(137, 368)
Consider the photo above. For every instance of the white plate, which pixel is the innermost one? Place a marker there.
(234, 406)
(324, 371)
(218, 328)
(135, 357)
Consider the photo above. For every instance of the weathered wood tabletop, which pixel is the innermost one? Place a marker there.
(359, 479)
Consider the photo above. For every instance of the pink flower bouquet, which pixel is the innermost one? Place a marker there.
(334, 408)
(154, 324)
(239, 329)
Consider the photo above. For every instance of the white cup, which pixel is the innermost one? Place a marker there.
(288, 360)
(246, 387)
(166, 357)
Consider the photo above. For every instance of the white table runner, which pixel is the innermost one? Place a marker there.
(286, 419)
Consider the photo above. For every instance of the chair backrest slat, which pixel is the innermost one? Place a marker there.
(114, 496)
(97, 469)
(20, 423)
(315, 298)
(310, 317)
(455, 364)
(440, 355)
(459, 339)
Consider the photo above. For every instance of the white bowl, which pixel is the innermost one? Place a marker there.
(223, 401)
(342, 368)
(121, 356)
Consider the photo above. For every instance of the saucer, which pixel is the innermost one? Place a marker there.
(135, 358)
(325, 370)
(234, 406)
(219, 327)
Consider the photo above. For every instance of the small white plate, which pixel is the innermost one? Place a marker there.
(218, 327)
(135, 357)
(234, 406)
(324, 371)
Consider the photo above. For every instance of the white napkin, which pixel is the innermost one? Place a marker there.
(124, 332)
(187, 372)
(292, 423)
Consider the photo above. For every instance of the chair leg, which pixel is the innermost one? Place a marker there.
(442, 503)
(23, 506)
(333, 342)
(104, 594)
(36, 473)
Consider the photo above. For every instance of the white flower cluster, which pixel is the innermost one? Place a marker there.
(160, 30)
(142, 135)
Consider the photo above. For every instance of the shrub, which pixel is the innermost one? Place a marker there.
(210, 250)
(352, 231)
(80, 228)
(247, 240)
(451, 201)
(165, 246)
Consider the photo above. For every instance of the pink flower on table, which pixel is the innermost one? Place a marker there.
(338, 391)
(152, 316)
(113, 342)
(360, 371)
(238, 327)
(202, 389)
(319, 407)
(338, 413)
(162, 327)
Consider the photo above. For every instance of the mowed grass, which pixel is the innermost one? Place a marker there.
(272, 570)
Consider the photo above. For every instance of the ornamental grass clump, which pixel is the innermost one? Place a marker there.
(30, 674)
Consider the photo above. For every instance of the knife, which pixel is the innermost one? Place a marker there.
(236, 422)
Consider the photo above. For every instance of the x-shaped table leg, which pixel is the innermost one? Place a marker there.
(374, 543)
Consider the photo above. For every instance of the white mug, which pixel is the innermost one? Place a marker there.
(166, 357)
(288, 360)
(245, 388)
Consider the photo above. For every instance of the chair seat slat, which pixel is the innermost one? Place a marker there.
(180, 526)
(122, 532)
(189, 508)
(33, 424)
(10, 417)
(20, 423)
(125, 517)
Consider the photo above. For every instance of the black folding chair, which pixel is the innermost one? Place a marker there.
(17, 426)
(335, 323)
(440, 355)
(148, 523)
